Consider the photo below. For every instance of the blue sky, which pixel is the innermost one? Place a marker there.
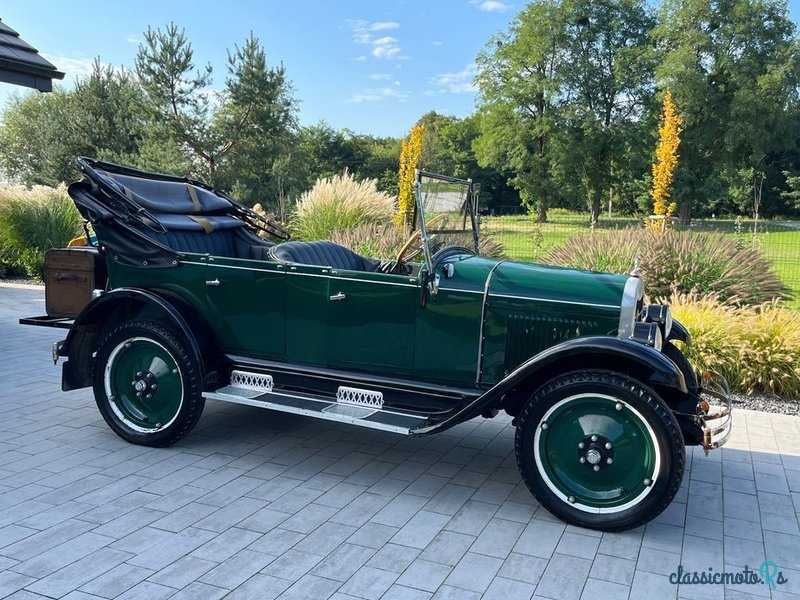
(371, 66)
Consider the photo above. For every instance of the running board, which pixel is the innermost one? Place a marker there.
(354, 406)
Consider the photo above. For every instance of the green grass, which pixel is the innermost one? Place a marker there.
(528, 241)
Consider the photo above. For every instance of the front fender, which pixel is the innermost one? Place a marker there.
(82, 338)
(601, 352)
(680, 333)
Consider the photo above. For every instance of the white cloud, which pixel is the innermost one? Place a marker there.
(456, 83)
(380, 76)
(71, 66)
(132, 39)
(378, 94)
(437, 43)
(384, 25)
(382, 47)
(491, 5)
(360, 58)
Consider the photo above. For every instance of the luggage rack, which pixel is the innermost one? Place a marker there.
(47, 321)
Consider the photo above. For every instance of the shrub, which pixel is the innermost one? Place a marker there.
(374, 241)
(769, 357)
(385, 241)
(757, 348)
(714, 328)
(33, 221)
(340, 204)
(705, 263)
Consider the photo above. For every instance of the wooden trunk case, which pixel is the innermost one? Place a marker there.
(70, 276)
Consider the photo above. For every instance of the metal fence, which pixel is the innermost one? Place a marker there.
(526, 240)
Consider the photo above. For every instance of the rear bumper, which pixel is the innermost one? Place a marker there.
(717, 423)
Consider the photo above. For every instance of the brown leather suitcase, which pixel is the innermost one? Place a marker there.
(70, 276)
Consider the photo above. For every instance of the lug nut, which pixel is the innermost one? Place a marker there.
(138, 394)
(149, 396)
(596, 467)
(594, 438)
(154, 386)
(581, 445)
(133, 383)
(582, 459)
(139, 373)
(609, 460)
(608, 445)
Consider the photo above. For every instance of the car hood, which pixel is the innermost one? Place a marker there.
(557, 285)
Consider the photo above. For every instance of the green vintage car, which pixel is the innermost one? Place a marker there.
(198, 307)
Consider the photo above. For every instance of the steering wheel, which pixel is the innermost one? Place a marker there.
(412, 239)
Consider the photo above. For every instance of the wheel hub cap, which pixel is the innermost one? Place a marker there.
(144, 384)
(595, 455)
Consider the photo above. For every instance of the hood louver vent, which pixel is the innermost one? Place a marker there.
(528, 335)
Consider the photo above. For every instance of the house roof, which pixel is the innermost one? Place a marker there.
(20, 63)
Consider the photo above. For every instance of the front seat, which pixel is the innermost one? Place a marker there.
(321, 253)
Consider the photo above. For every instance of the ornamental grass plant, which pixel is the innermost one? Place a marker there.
(704, 263)
(33, 221)
(340, 204)
(757, 348)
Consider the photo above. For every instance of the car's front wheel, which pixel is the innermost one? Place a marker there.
(600, 450)
(147, 384)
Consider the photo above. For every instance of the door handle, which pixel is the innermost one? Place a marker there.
(214, 282)
(338, 296)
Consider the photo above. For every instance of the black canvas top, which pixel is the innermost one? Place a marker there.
(20, 63)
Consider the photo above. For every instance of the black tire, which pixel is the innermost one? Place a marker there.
(679, 358)
(173, 381)
(551, 461)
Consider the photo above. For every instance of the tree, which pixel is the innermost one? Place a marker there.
(606, 85)
(235, 140)
(561, 94)
(101, 117)
(409, 161)
(176, 97)
(519, 87)
(666, 159)
(733, 68)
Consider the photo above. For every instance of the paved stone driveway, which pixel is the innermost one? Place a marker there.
(262, 505)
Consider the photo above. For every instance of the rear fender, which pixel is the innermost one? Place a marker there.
(111, 309)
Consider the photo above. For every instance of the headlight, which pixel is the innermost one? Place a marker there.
(661, 314)
(648, 333)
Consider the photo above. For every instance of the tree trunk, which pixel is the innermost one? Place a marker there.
(685, 213)
(541, 213)
(595, 209)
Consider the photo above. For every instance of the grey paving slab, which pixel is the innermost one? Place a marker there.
(259, 505)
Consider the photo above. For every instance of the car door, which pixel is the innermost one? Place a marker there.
(248, 302)
(371, 321)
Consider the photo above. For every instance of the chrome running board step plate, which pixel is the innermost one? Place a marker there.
(355, 406)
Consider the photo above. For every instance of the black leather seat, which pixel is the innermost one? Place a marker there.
(322, 253)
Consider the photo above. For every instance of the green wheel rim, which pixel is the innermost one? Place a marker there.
(143, 384)
(574, 442)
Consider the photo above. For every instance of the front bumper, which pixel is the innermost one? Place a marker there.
(717, 422)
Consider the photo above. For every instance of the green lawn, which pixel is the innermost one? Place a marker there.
(527, 241)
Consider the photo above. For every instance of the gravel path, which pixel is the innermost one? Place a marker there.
(766, 404)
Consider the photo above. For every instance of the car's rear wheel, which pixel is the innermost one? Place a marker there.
(147, 385)
(600, 450)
